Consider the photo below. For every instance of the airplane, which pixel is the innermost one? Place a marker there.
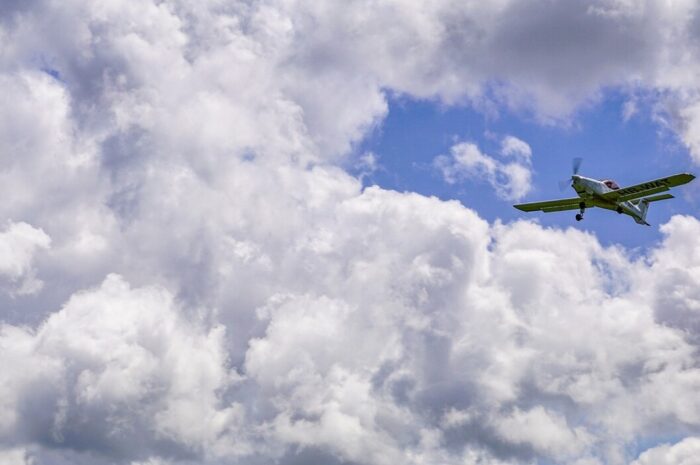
(633, 200)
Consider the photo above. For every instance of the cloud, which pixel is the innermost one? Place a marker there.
(437, 311)
(629, 109)
(516, 148)
(678, 301)
(18, 245)
(218, 290)
(546, 58)
(688, 125)
(15, 456)
(546, 432)
(684, 452)
(510, 179)
(117, 370)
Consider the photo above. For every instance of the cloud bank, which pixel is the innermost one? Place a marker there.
(216, 289)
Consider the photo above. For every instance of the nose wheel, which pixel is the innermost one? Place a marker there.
(579, 216)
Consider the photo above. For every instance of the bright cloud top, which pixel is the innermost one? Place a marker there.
(686, 452)
(216, 289)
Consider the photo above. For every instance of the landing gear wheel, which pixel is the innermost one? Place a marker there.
(582, 206)
(619, 210)
(579, 217)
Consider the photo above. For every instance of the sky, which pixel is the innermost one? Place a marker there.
(629, 150)
(281, 232)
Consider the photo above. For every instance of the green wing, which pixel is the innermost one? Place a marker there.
(551, 205)
(648, 188)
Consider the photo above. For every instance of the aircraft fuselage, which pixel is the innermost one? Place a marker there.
(592, 190)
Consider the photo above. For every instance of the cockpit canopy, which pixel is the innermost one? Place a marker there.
(611, 184)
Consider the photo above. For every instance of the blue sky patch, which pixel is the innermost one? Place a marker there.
(627, 150)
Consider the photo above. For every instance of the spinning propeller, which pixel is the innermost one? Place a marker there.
(575, 165)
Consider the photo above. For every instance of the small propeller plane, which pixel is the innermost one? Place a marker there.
(633, 200)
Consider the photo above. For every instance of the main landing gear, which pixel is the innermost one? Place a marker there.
(579, 216)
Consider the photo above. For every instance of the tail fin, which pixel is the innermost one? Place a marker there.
(644, 208)
(643, 205)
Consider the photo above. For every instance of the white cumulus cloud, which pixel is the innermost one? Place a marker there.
(685, 452)
(218, 290)
(510, 179)
(120, 367)
(19, 243)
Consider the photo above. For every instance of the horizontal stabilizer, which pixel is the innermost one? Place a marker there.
(656, 198)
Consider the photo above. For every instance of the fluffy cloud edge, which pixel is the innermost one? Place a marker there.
(510, 175)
